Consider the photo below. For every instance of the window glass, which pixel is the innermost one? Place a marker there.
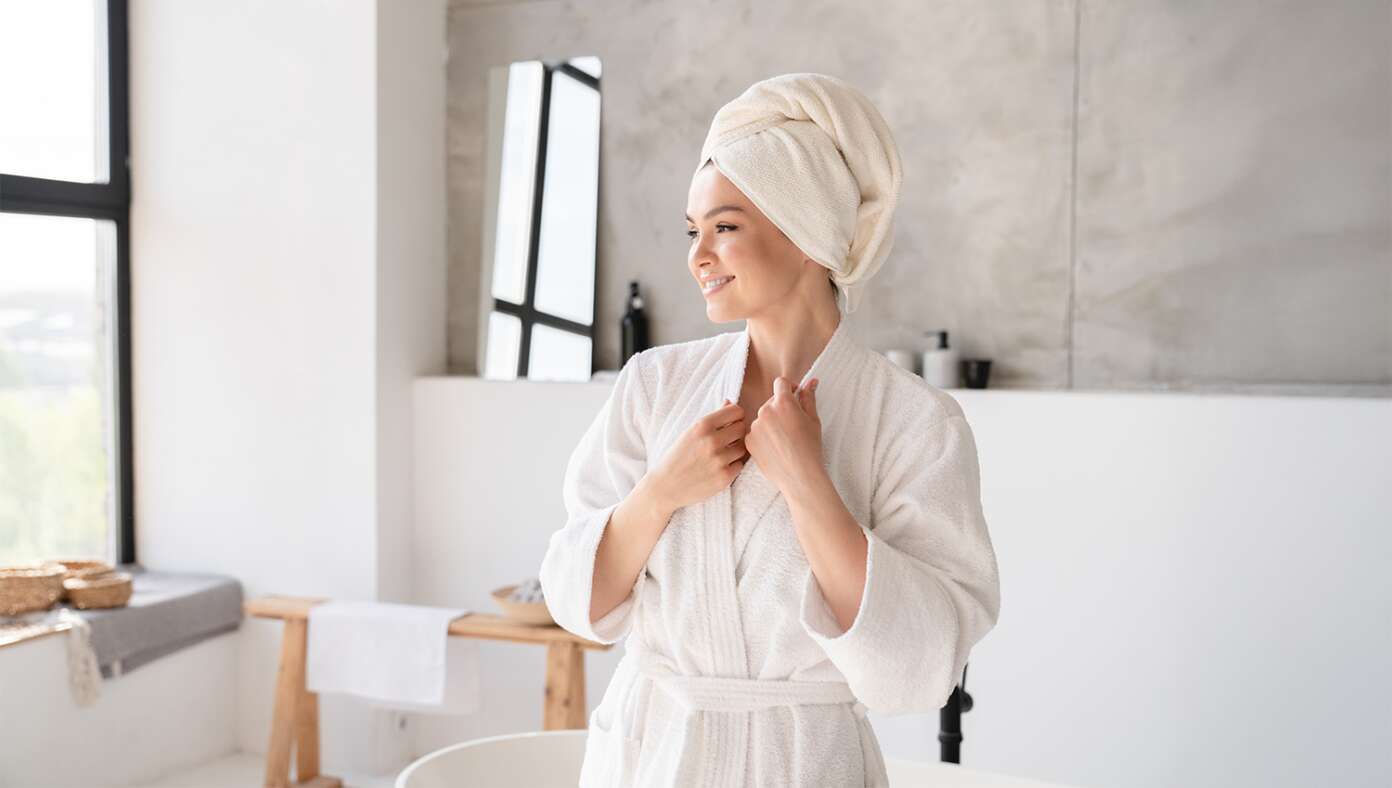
(558, 355)
(57, 435)
(569, 210)
(53, 112)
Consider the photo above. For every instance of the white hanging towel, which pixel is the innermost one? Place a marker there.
(391, 655)
(461, 683)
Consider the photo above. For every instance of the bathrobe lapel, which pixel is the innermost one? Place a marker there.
(729, 657)
(727, 734)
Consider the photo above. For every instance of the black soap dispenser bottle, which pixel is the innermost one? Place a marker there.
(634, 325)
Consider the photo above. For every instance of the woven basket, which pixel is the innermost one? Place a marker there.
(31, 587)
(110, 589)
(85, 568)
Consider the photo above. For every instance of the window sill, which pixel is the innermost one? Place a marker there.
(167, 612)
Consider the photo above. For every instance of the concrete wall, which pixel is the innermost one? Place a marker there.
(1098, 195)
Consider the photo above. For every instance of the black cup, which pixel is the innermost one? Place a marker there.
(976, 371)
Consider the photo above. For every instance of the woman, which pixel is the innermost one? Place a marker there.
(779, 557)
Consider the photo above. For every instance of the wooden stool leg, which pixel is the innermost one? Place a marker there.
(306, 736)
(290, 681)
(565, 687)
(295, 721)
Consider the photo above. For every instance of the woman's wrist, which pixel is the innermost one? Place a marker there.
(812, 483)
(652, 501)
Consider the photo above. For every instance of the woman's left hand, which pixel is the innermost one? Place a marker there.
(785, 437)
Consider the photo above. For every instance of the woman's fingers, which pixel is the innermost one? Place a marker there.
(729, 454)
(723, 415)
(730, 432)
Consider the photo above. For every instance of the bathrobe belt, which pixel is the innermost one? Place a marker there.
(720, 693)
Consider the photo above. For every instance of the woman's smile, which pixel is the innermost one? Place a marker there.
(715, 284)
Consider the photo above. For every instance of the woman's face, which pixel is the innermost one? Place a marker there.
(740, 242)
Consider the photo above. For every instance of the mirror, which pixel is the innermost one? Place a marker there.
(541, 207)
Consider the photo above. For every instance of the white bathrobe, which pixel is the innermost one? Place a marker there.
(735, 672)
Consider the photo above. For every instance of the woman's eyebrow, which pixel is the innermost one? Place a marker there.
(718, 209)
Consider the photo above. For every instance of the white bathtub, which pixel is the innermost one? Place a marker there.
(527, 760)
(551, 759)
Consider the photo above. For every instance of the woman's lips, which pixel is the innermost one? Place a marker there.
(718, 287)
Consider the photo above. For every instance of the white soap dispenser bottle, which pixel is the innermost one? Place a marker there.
(941, 367)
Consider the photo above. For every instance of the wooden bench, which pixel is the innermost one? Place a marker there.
(295, 720)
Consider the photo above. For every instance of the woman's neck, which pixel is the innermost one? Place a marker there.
(787, 344)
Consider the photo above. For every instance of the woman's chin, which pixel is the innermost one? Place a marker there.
(722, 313)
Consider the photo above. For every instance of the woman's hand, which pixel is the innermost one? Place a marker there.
(707, 457)
(785, 437)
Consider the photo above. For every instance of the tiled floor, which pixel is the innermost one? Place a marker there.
(246, 770)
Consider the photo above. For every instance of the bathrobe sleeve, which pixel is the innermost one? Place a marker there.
(931, 584)
(604, 467)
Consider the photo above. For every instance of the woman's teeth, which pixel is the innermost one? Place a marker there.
(714, 284)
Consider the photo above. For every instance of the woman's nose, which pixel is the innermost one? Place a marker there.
(701, 256)
(703, 251)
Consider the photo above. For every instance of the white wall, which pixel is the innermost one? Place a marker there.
(287, 238)
(1194, 588)
(411, 266)
(253, 251)
(253, 286)
(167, 714)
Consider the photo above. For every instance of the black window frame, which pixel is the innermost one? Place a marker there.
(111, 201)
(526, 312)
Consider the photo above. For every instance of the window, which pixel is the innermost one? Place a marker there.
(65, 425)
(544, 208)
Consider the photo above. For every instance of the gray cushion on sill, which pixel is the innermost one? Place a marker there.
(168, 611)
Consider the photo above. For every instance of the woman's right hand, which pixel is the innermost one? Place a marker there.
(705, 459)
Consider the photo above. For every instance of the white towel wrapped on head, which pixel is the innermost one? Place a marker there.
(816, 156)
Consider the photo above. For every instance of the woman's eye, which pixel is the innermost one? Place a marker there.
(692, 233)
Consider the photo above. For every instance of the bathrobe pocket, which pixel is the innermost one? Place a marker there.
(611, 758)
